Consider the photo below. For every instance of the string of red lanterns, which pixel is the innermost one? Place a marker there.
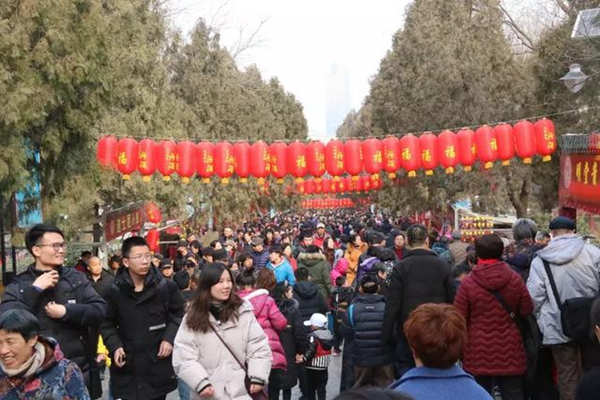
(354, 157)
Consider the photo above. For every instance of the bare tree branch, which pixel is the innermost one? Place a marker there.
(520, 33)
(245, 43)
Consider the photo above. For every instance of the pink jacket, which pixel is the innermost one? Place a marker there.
(270, 319)
(340, 269)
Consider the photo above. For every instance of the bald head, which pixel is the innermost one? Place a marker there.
(95, 266)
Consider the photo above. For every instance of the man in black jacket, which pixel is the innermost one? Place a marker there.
(61, 298)
(100, 278)
(420, 277)
(372, 359)
(307, 295)
(144, 313)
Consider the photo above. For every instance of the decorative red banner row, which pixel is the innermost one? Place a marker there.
(260, 160)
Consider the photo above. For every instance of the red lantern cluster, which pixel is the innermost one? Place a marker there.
(327, 203)
(354, 157)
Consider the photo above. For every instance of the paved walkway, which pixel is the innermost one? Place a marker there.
(333, 386)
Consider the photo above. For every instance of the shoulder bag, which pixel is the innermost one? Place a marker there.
(262, 394)
(530, 333)
(574, 313)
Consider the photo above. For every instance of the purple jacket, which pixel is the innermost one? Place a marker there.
(270, 319)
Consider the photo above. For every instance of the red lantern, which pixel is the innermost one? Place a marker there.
(506, 143)
(372, 150)
(545, 139)
(127, 157)
(318, 185)
(186, 165)
(259, 167)
(309, 186)
(205, 165)
(411, 154)
(376, 183)
(107, 151)
(428, 145)
(525, 140)
(315, 159)
(342, 185)
(300, 186)
(224, 161)
(278, 158)
(467, 148)
(353, 158)
(487, 147)
(241, 154)
(391, 155)
(296, 159)
(447, 148)
(147, 159)
(166, 155)
(152, 238)
(326, 185)
(153, 212)
(365, 183)
(334, 158)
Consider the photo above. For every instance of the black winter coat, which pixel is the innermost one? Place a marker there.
(589, 386)
(293, 339)
(364, 319)
(139, 322)
(420, 277)
(103, 284)
(85, 312)
(309, 299)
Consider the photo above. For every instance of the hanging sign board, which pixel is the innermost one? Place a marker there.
(579, 185)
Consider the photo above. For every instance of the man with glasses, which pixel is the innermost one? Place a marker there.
(144, 313)
(61, 298)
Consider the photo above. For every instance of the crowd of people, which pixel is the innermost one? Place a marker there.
(412, 312)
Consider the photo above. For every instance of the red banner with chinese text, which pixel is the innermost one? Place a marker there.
(579, 182)
(122, 221)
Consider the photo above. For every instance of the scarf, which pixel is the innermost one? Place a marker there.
(30, 366)
(215, 309)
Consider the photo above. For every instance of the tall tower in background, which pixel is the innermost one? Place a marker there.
(337, 96)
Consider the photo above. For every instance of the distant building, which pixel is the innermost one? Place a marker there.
(337, 95)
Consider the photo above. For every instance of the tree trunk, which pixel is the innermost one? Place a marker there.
(519, 201)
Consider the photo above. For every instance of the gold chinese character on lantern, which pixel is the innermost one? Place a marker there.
(143, 155)
(377, 157)
(494, 144)
(406, 154)
(170, 156)
(122, 158)
(450, 152)
(301, 162)
(426, 155)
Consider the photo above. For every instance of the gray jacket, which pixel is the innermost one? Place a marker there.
(575, 266)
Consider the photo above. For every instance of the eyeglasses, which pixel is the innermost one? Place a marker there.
(55, 246)
(140, 257)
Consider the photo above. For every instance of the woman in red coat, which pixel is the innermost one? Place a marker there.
(494, 351)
